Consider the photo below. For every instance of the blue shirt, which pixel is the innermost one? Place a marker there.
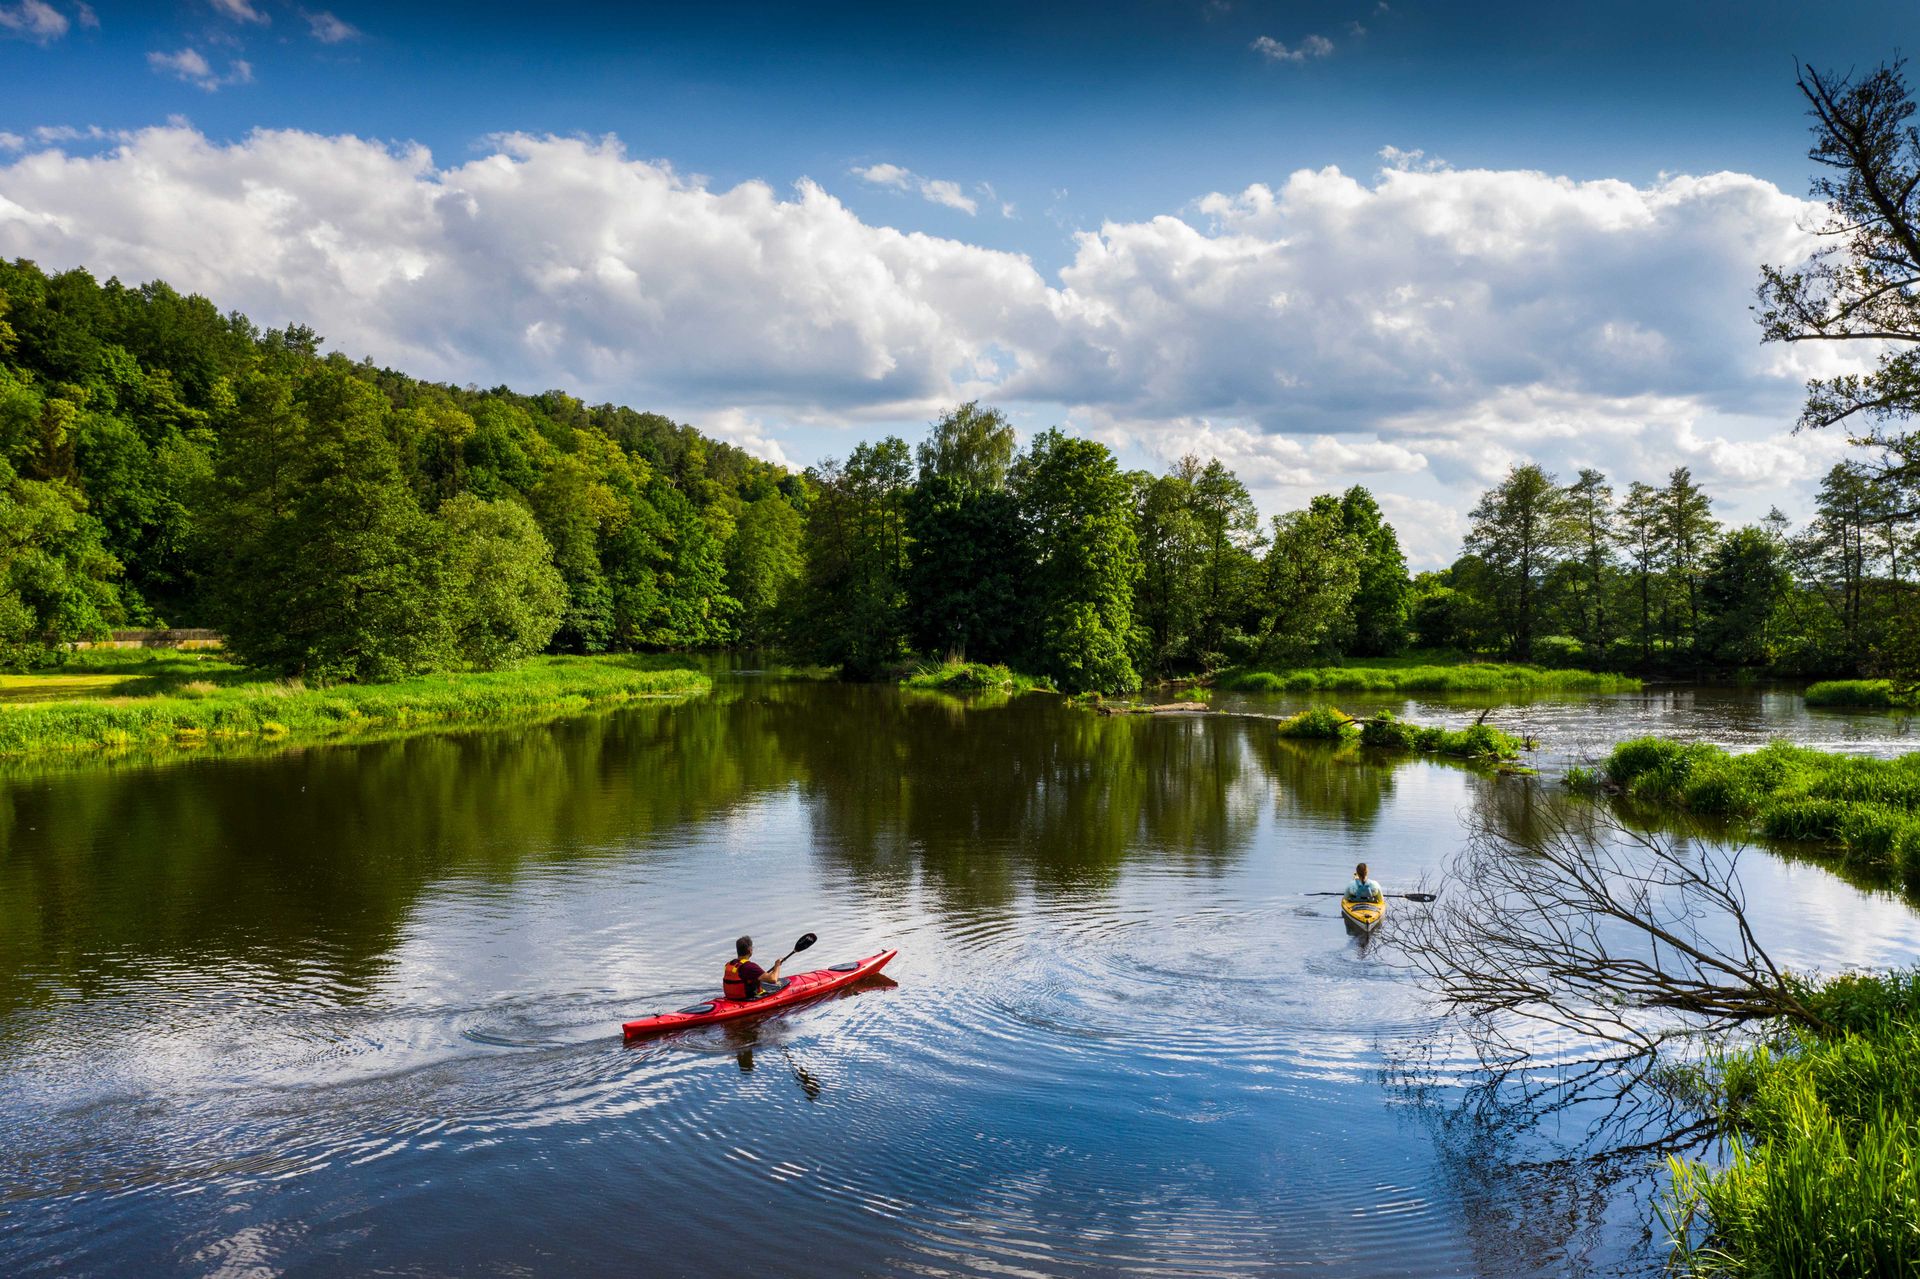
(1363, 890)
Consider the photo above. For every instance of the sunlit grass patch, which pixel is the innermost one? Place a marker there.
(1866, 810)
(238, 704)
(1863, 694)
(1320, 723)
(957, 677)
(1388, 676)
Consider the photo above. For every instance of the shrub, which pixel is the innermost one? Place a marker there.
(1322, 723)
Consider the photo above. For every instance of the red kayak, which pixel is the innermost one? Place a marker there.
(799, 988)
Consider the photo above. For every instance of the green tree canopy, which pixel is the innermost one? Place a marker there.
(1076, 506)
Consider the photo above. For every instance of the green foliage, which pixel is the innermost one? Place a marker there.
(1477, 741)
(765, 561)
(1741, 593)
(1825, 1131)
(1076, 507)
(955, 677)
(1866, 810)
(968, 554)
(55, 577)
(208, 458)
(853, 594)
(501, 595)
(325, 563)
(1382, 598)
(1320, 723)
(1865, 694)
(1311, 573)
(1518, 531)
(187, 705)
(1478, 677)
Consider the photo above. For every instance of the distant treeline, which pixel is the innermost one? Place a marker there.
(162, 463)
(1650, 580)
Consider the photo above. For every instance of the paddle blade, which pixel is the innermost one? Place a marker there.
(803, 943)
(1421, 897)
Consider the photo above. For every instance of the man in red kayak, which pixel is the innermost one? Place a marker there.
(744, 979)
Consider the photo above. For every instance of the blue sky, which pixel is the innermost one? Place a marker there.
(798, 228)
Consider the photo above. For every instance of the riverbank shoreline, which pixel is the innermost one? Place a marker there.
(184, 706)
(1863, 813)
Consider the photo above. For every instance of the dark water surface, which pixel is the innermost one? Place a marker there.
(355, 1009)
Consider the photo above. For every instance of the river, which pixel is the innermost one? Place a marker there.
(354, 1009)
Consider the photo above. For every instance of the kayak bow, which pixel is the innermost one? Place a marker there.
(798, 989)
(1365, 916)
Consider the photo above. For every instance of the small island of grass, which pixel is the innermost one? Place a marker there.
(962, 677)
(1385, 732)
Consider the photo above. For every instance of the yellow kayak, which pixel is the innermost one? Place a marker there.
(1365, 916)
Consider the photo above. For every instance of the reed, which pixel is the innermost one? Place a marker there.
(189, 705)
(1824, 1130)
(1475, 677)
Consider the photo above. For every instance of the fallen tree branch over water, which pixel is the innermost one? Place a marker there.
(1570, 920)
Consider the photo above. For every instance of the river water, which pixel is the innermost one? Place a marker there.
(355, 1009)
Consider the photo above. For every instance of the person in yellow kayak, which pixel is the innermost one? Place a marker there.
(1362, 889)
(744, 979)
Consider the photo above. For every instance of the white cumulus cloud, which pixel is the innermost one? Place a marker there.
(240, 11)
(328, 29)
(1422, 327)
(1274, 51)
(192, 66)
(36, 20)
(933, 190)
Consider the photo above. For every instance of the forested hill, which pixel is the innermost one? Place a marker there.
(164, 463)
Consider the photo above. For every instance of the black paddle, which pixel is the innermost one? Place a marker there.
(805, 941)
(1412, 897)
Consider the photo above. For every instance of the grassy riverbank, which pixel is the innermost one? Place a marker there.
(1866, 811)
(1327, 723)
(179, 700)
(1860, 694)
(1824, 1127)
(1399, 675)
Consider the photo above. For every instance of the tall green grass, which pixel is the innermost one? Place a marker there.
(224, 702)
(1865, 694)
(1383, 731)
(1824, 1173)
(1866, 810)
(957, 677)
(1477, 677)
